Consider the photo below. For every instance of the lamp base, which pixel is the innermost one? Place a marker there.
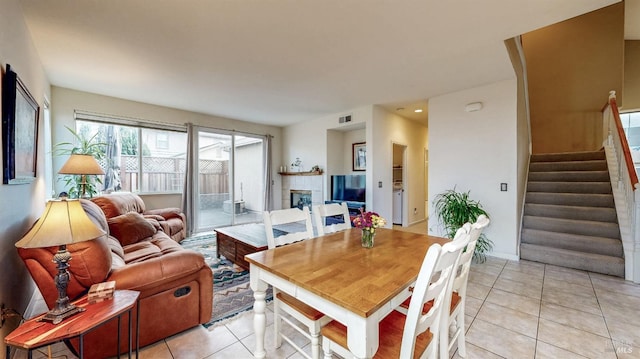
(63, 308)
(57, 315)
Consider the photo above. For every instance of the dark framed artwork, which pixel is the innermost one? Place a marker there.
(20, 113)
(359, 153)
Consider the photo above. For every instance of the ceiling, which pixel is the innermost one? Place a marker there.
(284, 61)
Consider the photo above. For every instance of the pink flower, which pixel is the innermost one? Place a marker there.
(369, 220)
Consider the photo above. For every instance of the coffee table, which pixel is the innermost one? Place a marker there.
(236, 241)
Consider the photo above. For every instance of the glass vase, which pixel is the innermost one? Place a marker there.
(368, 234)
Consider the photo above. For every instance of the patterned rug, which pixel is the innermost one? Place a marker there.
(231, 292)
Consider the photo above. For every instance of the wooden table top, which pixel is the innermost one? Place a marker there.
(337, 267)
(34, 333)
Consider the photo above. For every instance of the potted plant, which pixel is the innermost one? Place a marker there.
(84, 146)
(453, 210)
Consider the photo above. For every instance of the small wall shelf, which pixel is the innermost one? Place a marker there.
(313, 173)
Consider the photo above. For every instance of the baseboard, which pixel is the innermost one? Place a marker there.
(416, 222)
(507, 256)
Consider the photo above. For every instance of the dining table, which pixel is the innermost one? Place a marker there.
(335, 274)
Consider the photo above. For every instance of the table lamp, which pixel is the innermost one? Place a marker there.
(82, 165)
(63, 222)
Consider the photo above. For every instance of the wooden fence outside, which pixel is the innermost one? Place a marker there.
(166, 174)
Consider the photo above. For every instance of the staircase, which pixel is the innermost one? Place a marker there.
(569, 217)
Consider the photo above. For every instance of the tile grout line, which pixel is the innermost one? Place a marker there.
(481, 305)
(603, 316)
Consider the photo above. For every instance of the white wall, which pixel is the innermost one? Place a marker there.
(387, 129)
(65, 101)
(315, 142)
(351, 137)
(476, 151)
(324, 142)
(20, 205)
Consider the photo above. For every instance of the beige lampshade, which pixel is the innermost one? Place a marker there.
(81, 165)
(63, 222)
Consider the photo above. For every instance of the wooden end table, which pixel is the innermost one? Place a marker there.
(34, 333)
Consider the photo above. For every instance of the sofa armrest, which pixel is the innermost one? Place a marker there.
(166, 213)
(157, 271)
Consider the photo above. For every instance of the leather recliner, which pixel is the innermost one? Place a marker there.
(172, 220)
(175, 284)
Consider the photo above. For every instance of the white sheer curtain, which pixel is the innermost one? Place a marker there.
(268, 181)
(188, 195)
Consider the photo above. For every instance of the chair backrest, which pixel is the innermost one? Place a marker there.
(293, 223)
(433, 284)
(321, 212)
(459, 283)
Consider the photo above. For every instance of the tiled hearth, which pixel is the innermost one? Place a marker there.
(302, 183)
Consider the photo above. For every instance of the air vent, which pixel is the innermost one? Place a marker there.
(344, 119)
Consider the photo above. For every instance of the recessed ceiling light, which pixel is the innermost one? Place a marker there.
(417, 110)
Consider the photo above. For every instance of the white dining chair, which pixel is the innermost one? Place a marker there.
(283, 221)
(415, 334)
(456, 317)
(459, 288)
(323, 211)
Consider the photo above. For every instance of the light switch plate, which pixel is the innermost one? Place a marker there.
(503, 187)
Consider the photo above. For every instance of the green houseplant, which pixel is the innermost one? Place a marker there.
(83, 145)
(453, 210)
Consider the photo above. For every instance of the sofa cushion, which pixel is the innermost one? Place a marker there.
(130, 228)
(166, 213)
(156, 246)
(117, 253)
(119, 203)
(95, 214)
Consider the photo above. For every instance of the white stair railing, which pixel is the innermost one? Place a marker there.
(624, 183)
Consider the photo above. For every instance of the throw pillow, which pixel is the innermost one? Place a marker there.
(130, 228)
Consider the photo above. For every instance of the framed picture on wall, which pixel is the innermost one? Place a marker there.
(19, 130)
(359, 152)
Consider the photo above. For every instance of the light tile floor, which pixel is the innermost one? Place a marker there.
(514, 310)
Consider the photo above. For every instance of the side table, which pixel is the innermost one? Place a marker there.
(34, 333)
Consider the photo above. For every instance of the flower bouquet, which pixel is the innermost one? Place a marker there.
(368, 222)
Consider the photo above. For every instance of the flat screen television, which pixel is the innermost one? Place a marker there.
(350, 188)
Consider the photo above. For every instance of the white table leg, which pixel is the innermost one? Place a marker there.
(259, 317)
(362, 346)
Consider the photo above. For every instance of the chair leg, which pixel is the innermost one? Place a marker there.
(443, 342)
(315, 345)
(462, 348)
(326, 347)
(277, 321)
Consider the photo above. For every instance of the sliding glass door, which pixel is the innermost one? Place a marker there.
(248, 183)
(230, 179)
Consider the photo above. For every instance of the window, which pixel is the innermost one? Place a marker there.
(138, 159)
(162, 141)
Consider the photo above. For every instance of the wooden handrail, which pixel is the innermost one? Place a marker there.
(633, 176)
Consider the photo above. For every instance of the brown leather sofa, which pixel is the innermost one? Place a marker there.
(175, 284)
(172, 220)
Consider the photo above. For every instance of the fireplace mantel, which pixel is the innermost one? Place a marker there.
(313, 173)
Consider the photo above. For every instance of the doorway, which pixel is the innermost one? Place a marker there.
(230, 179)
(399, 185)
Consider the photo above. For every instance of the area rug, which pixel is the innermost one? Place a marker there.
(231, 292)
